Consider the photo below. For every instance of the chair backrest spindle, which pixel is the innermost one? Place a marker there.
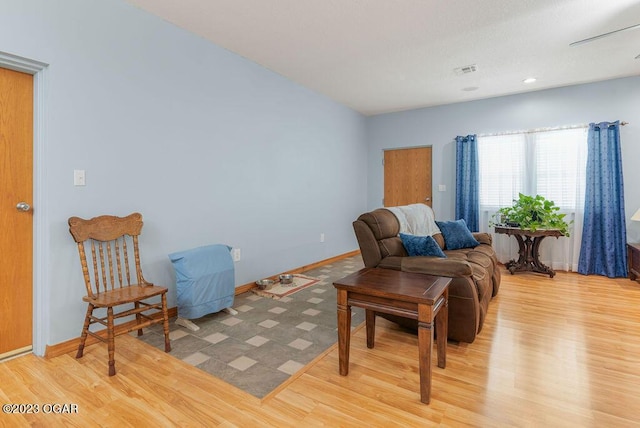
(118, 261)
(109, 263)
(96, 272)
(139, 277)
(102, 268)
(126, 257)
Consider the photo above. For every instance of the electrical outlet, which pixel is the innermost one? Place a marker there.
(442, 188)
(235, 253)
(322, 237)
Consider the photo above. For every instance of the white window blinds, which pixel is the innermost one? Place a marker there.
(547, 163)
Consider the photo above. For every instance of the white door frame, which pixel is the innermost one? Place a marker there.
(40, 224)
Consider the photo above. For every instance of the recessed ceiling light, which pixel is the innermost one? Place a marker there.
(529, 80)
(470, 88)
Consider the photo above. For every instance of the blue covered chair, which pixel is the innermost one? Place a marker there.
(205, 282)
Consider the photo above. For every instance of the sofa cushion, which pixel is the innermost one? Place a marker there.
(456, 235)
(436, 266)
(421, 245)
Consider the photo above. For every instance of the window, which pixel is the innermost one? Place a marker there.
(547, 163)
(501, 162)
(561, 166)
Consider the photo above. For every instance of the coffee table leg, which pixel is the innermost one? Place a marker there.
(344, 332)
(425, 343)
(371, 327)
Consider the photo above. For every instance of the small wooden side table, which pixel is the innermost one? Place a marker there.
(633, 260)
(410, 295)
(528, 253)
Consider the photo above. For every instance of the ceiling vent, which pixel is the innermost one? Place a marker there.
(466, 69)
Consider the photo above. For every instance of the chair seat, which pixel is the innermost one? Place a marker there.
(123, 295)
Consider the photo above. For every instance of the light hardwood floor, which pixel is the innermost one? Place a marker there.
(553, 352)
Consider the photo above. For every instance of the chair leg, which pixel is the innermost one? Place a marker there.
(85, 329)
(111, 344)
(165, 324)
(138, 317)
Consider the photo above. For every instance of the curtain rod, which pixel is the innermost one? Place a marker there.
(530, 131)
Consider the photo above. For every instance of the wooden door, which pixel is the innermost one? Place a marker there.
(407, 176)
(16, 226)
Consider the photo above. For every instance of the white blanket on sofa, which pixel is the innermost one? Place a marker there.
(416, 219)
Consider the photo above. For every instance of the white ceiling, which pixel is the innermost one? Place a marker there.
(379, 56)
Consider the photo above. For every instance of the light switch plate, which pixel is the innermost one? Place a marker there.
(78, 177)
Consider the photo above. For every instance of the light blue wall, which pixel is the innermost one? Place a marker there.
(210, 147)
(438, 126)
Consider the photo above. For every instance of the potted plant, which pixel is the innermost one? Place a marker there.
(532, 213)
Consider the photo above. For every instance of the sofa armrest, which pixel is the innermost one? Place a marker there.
(451, 268)
(483, 238)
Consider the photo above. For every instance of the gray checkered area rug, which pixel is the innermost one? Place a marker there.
(268, 340)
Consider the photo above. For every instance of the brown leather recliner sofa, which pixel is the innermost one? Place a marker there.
(474, 271)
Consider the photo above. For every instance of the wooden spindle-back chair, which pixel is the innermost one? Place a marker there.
(110, 259)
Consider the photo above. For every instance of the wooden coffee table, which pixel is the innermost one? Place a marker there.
(410, 295)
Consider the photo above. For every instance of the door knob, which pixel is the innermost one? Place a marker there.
(427, 199)
(23, 206)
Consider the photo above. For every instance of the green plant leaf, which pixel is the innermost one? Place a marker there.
(533, 213)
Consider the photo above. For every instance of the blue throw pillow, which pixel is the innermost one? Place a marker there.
(456, 235)
(421, 245)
